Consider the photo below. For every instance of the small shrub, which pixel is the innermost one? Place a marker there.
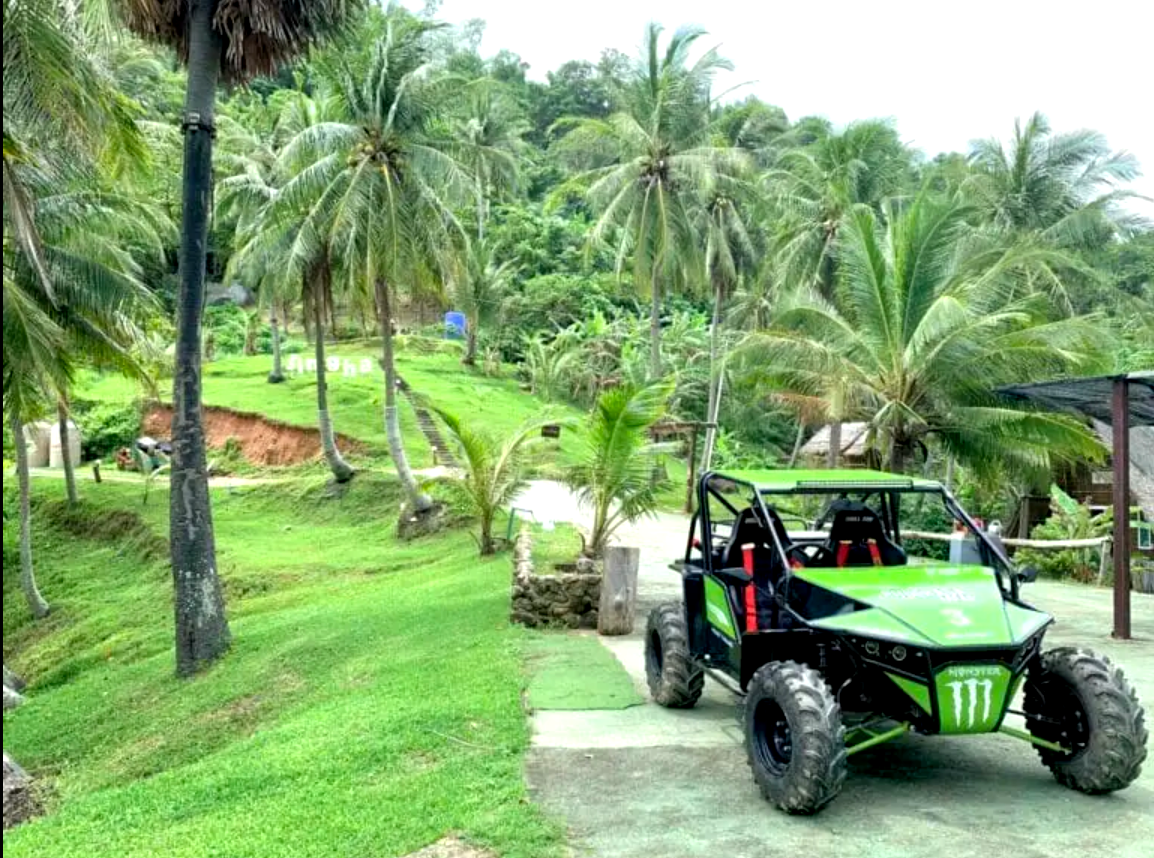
(105, 427)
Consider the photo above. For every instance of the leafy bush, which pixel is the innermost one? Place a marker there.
(227, 325)
(105, 427)
(1068, 520)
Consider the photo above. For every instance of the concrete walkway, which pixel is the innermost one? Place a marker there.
(647, 782)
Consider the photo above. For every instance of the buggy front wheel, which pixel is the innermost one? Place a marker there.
(1079, 700)
(794, 737)
(674, 680)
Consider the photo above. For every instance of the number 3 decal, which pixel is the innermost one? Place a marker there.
(956, 616)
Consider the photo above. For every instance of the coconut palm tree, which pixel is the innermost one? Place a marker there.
(236, 42)
(729, 250)
(1063, 187)
(385, 181)
(494, 469)
(650, 163)
(478, 288)
(614, 476)
(488, 144)
(925, 323)
(817, 185)
(284, 247)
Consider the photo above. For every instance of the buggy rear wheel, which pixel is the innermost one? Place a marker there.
(673, 679)
(794, 737)
(1079, 700)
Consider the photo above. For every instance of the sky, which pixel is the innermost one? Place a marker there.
(947, 73)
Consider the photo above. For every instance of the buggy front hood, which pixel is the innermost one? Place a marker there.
(934, 605)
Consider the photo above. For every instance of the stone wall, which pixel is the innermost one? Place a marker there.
(567, 599)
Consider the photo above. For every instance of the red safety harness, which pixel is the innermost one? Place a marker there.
(844, 546)
(750, 588)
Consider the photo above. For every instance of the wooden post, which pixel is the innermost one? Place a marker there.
(618, 590)
(1121, 458)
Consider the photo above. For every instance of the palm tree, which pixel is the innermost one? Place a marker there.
(36, 602)
(651, 161)
(614, 476)
(216, 40)
(1062, 187)
(284, 245)
(488, 144)
(729, 250)
(494, 469)
(924, 325)
(816, 186)
(478, 289)
(385, 182)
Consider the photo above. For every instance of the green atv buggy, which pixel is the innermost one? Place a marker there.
(840, 641)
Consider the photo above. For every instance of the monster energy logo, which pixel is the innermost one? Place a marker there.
(986, 687)
(971, 697)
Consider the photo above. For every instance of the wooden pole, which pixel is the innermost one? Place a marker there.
(618, 590)
(1121, 458)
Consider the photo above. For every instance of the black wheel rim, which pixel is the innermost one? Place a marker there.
(1061, 719)
(654, 655)
(772, 740)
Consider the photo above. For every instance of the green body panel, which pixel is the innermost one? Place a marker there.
(936, 605)
(717, 609)
(919, 692)
(972, 697)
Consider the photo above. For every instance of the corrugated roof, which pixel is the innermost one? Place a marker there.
(1091, 396)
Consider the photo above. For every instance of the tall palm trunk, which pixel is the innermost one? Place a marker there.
(417, 499)
(342, 472)
(714, 407)
(655, 326)
(797, 441)
(202, 633)
(66, 452)
(470, 358)
(36, 602)
(834, 452)
(277, 374)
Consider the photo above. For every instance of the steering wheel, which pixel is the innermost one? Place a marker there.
(810, 555)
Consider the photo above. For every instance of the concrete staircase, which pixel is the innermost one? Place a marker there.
(442, 453)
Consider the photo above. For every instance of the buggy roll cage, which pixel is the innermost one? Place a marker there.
(1003, 567)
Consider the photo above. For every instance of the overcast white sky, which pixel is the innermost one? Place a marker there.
(946, 72)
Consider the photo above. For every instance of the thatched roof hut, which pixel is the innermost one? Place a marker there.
(1141, 462)
(853, 442)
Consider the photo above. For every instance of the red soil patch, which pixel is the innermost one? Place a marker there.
(262, 441)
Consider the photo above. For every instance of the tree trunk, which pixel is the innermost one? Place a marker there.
(655, 327)
(12, 680)
(277, 374)
(418, 501)
(36, 602)
(713, 409)
(470, 358)
(342, 473)
(202, 633)
(66, 452)
(834, 453)
(618, 591)
(797, 443)
(20, 802)
(12, 697)
(951, 464)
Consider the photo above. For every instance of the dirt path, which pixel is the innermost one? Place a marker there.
(645, 781)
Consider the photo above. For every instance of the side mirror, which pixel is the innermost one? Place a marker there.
(1027, 574)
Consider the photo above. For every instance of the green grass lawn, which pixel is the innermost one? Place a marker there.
(357, 402)
(371, 701)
